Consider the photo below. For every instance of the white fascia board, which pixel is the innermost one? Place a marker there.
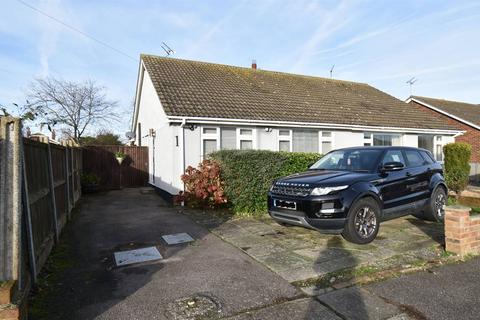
(243, 122)
(443, 112)
(138, 93)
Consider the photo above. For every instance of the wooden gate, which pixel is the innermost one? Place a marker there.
(133, 172)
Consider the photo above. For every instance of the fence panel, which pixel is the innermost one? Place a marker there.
(133, 172)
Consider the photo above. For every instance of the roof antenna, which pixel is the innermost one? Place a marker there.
(331, 71)
(411, 82)
(167, 49)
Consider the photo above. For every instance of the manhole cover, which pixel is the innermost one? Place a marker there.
(123, 258)
(194, 307)
(177, 238)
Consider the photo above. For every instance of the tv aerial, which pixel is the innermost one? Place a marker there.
(331, 72)
(169, 51)
(411, 82)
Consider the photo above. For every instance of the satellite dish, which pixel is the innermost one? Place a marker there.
(130, 134)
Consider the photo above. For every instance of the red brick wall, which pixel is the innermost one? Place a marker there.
(462, 231)
(471, 136)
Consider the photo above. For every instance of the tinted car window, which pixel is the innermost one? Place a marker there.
(427, 157)
(394, 156)
(349, 160)
(414, 158)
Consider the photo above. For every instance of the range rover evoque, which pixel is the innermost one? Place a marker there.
(350, 191)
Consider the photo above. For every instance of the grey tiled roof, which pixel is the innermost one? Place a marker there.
(466, 111)
(199, 89)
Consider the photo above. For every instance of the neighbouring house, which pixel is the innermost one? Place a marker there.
(466, 116)
(184, 110)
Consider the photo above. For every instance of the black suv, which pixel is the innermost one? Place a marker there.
(350, 191)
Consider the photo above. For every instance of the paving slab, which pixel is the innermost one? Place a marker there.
(357, 304)
(299, 254)
(123, 258)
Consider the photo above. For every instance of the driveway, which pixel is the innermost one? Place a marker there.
(207, 277)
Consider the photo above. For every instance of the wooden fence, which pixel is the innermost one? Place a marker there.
(52, 185)
(133, 172)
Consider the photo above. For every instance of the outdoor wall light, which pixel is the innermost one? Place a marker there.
(268, 129)
(192, 127)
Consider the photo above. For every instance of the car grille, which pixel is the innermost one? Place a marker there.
(288, 190)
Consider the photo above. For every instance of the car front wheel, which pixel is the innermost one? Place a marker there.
(363, 221)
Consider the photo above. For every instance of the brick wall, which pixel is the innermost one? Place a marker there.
(471, 136)
(12, 307)
(462, 231)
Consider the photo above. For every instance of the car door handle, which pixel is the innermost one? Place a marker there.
(408, 174)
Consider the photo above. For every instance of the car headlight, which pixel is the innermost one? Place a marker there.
(321, 191)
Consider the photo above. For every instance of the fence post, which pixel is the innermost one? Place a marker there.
(51, 184)
(67, 181)
(28, 218)
(10, 198)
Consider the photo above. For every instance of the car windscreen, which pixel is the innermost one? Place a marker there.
(360, 160)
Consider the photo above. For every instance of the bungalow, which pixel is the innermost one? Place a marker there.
(465, 116)
(184, 110)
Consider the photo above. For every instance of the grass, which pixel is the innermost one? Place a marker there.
(475, 211)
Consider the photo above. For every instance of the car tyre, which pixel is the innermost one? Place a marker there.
(363, 221)
(436, 207)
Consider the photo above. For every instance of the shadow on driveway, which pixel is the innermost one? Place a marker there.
(81, 280)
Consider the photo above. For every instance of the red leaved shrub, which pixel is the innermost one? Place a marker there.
(203, 186)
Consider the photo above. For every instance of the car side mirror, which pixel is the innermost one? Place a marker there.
(393, 166)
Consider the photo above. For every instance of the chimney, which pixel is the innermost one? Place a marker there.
(254, 64)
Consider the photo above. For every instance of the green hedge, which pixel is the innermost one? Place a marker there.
(457, 167)
(248, 174)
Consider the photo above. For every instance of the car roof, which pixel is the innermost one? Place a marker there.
(382, 148)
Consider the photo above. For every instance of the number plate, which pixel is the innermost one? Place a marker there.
(291, 205)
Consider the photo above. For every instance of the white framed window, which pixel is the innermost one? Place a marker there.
(228, 138)
(326, 141)
(305, 140)
(381, 139)
(438, 148)
(284, 140)
(246, 138)
(210, 140)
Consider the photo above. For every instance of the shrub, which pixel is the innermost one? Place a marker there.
(457, 167)
(203, 187)
(87, 179)
(248, 174)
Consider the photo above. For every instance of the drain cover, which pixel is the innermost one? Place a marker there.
(177, 238)
(123, 258)
(194, 307)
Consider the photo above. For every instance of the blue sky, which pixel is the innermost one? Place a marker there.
(383, 43)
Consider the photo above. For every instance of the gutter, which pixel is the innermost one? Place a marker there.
(176, 119)
(182, 143)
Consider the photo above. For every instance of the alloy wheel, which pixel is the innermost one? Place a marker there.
(365, 222)
(440, 201)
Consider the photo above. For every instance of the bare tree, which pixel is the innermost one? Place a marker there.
(74, 106)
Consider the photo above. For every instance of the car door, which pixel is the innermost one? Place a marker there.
(418, 176)
(393, 186)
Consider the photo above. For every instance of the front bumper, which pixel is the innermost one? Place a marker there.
(326, 214)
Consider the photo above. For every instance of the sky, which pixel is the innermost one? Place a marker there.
(382, 43)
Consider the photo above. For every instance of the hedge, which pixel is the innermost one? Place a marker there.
(457, 167)
(248, 174)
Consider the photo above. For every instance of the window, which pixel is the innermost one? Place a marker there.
(210, 140)
(210, 130)
(425, 142)
(394, 156)
(327, 141)
(284, 140)
(439, 152)
(305, 140)
(245, 139)
(414, 158)
(381, 139)
(228, 138)
(209, 146)
(359, 160)
(284, 146)
(428, 157)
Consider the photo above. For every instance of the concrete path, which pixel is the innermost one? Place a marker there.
(208, 277)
